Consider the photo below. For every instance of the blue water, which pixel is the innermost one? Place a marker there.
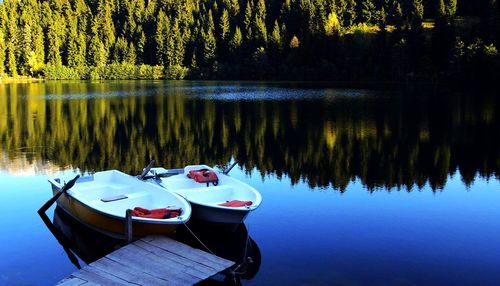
(309, 230)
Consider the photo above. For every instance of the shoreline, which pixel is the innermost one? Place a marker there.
(20, 79)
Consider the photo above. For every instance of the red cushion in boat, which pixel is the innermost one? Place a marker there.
(162, 213)
(236, 203)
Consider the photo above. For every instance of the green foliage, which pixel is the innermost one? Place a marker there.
(224, 25)
(2, 53)
(332, 26)
(222, 38)
(108, 72)
(276, 36)
(368, 11)
(451, 7)
(176, 72)
(236, 40)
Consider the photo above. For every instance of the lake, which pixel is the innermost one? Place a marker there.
(383, 186)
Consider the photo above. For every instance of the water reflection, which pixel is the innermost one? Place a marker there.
(324, 136)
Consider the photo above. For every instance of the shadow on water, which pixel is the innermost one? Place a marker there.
(88, 245)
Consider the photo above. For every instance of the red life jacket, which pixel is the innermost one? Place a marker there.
(163, 213)
(204, 176)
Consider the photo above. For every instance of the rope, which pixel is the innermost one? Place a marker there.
(199, 240)
(244, 260)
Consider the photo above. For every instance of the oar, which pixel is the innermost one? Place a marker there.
(146, 170)
(63, 190)
(168, 173)
(61, 238)
(226, 171)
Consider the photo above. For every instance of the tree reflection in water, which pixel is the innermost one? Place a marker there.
(326, 137)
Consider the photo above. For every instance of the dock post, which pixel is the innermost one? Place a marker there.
(128, 226)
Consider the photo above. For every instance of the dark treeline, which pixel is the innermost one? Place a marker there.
(390, 142)
(248, 39)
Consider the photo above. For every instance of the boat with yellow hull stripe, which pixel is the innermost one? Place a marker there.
(101, 202)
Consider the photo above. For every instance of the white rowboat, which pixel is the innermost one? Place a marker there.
(205, 198)
(102, 200)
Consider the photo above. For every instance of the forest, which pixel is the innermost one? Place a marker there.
(334, 40)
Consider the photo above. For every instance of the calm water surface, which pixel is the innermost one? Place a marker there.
(360, 187)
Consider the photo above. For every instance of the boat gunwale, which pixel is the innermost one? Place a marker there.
(254, 206)
(176, 220)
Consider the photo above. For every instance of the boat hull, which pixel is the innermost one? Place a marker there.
(218, 215)
(112, 226)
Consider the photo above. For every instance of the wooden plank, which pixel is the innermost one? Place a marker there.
(127, 273)
(172, 256)
(110, 276)
(189, 274)
(188, 252)
(154, 261)
(92, 276)
(71, 281)
(146, 263)
(192, 269)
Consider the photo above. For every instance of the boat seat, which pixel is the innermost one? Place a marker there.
(114, 198)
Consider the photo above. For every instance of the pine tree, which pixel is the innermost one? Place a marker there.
(224, 25)
(11, 59)
(130, 54)
(332, 25)
(162, 30)
(451, 8)
(39, 49)
(367, 13)
(236, 40)
(247, 21)
(97, 54)
(235, 8)
(348, 13)
(441, 9)
(209, 48)
(141, 44)
(54, 44)
(26, 48)
(120, 50)
(276, 36)
(2, 53)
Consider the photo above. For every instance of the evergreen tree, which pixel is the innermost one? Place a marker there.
(332, 25)
(162, 30)
(11, 59)
(209, 48)
(367, 11)
(97, 53)
(54, 44)
(141, 44)
(224, 25)
(276, 36)
(451, 8)
(234, 8)
(260, 23)
(348, 12)
(120, 50)
(236, 40)
(26, 48)
(2, 52)
(247, 21)
(130, 56)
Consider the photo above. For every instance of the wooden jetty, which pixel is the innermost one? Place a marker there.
(154, 260)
